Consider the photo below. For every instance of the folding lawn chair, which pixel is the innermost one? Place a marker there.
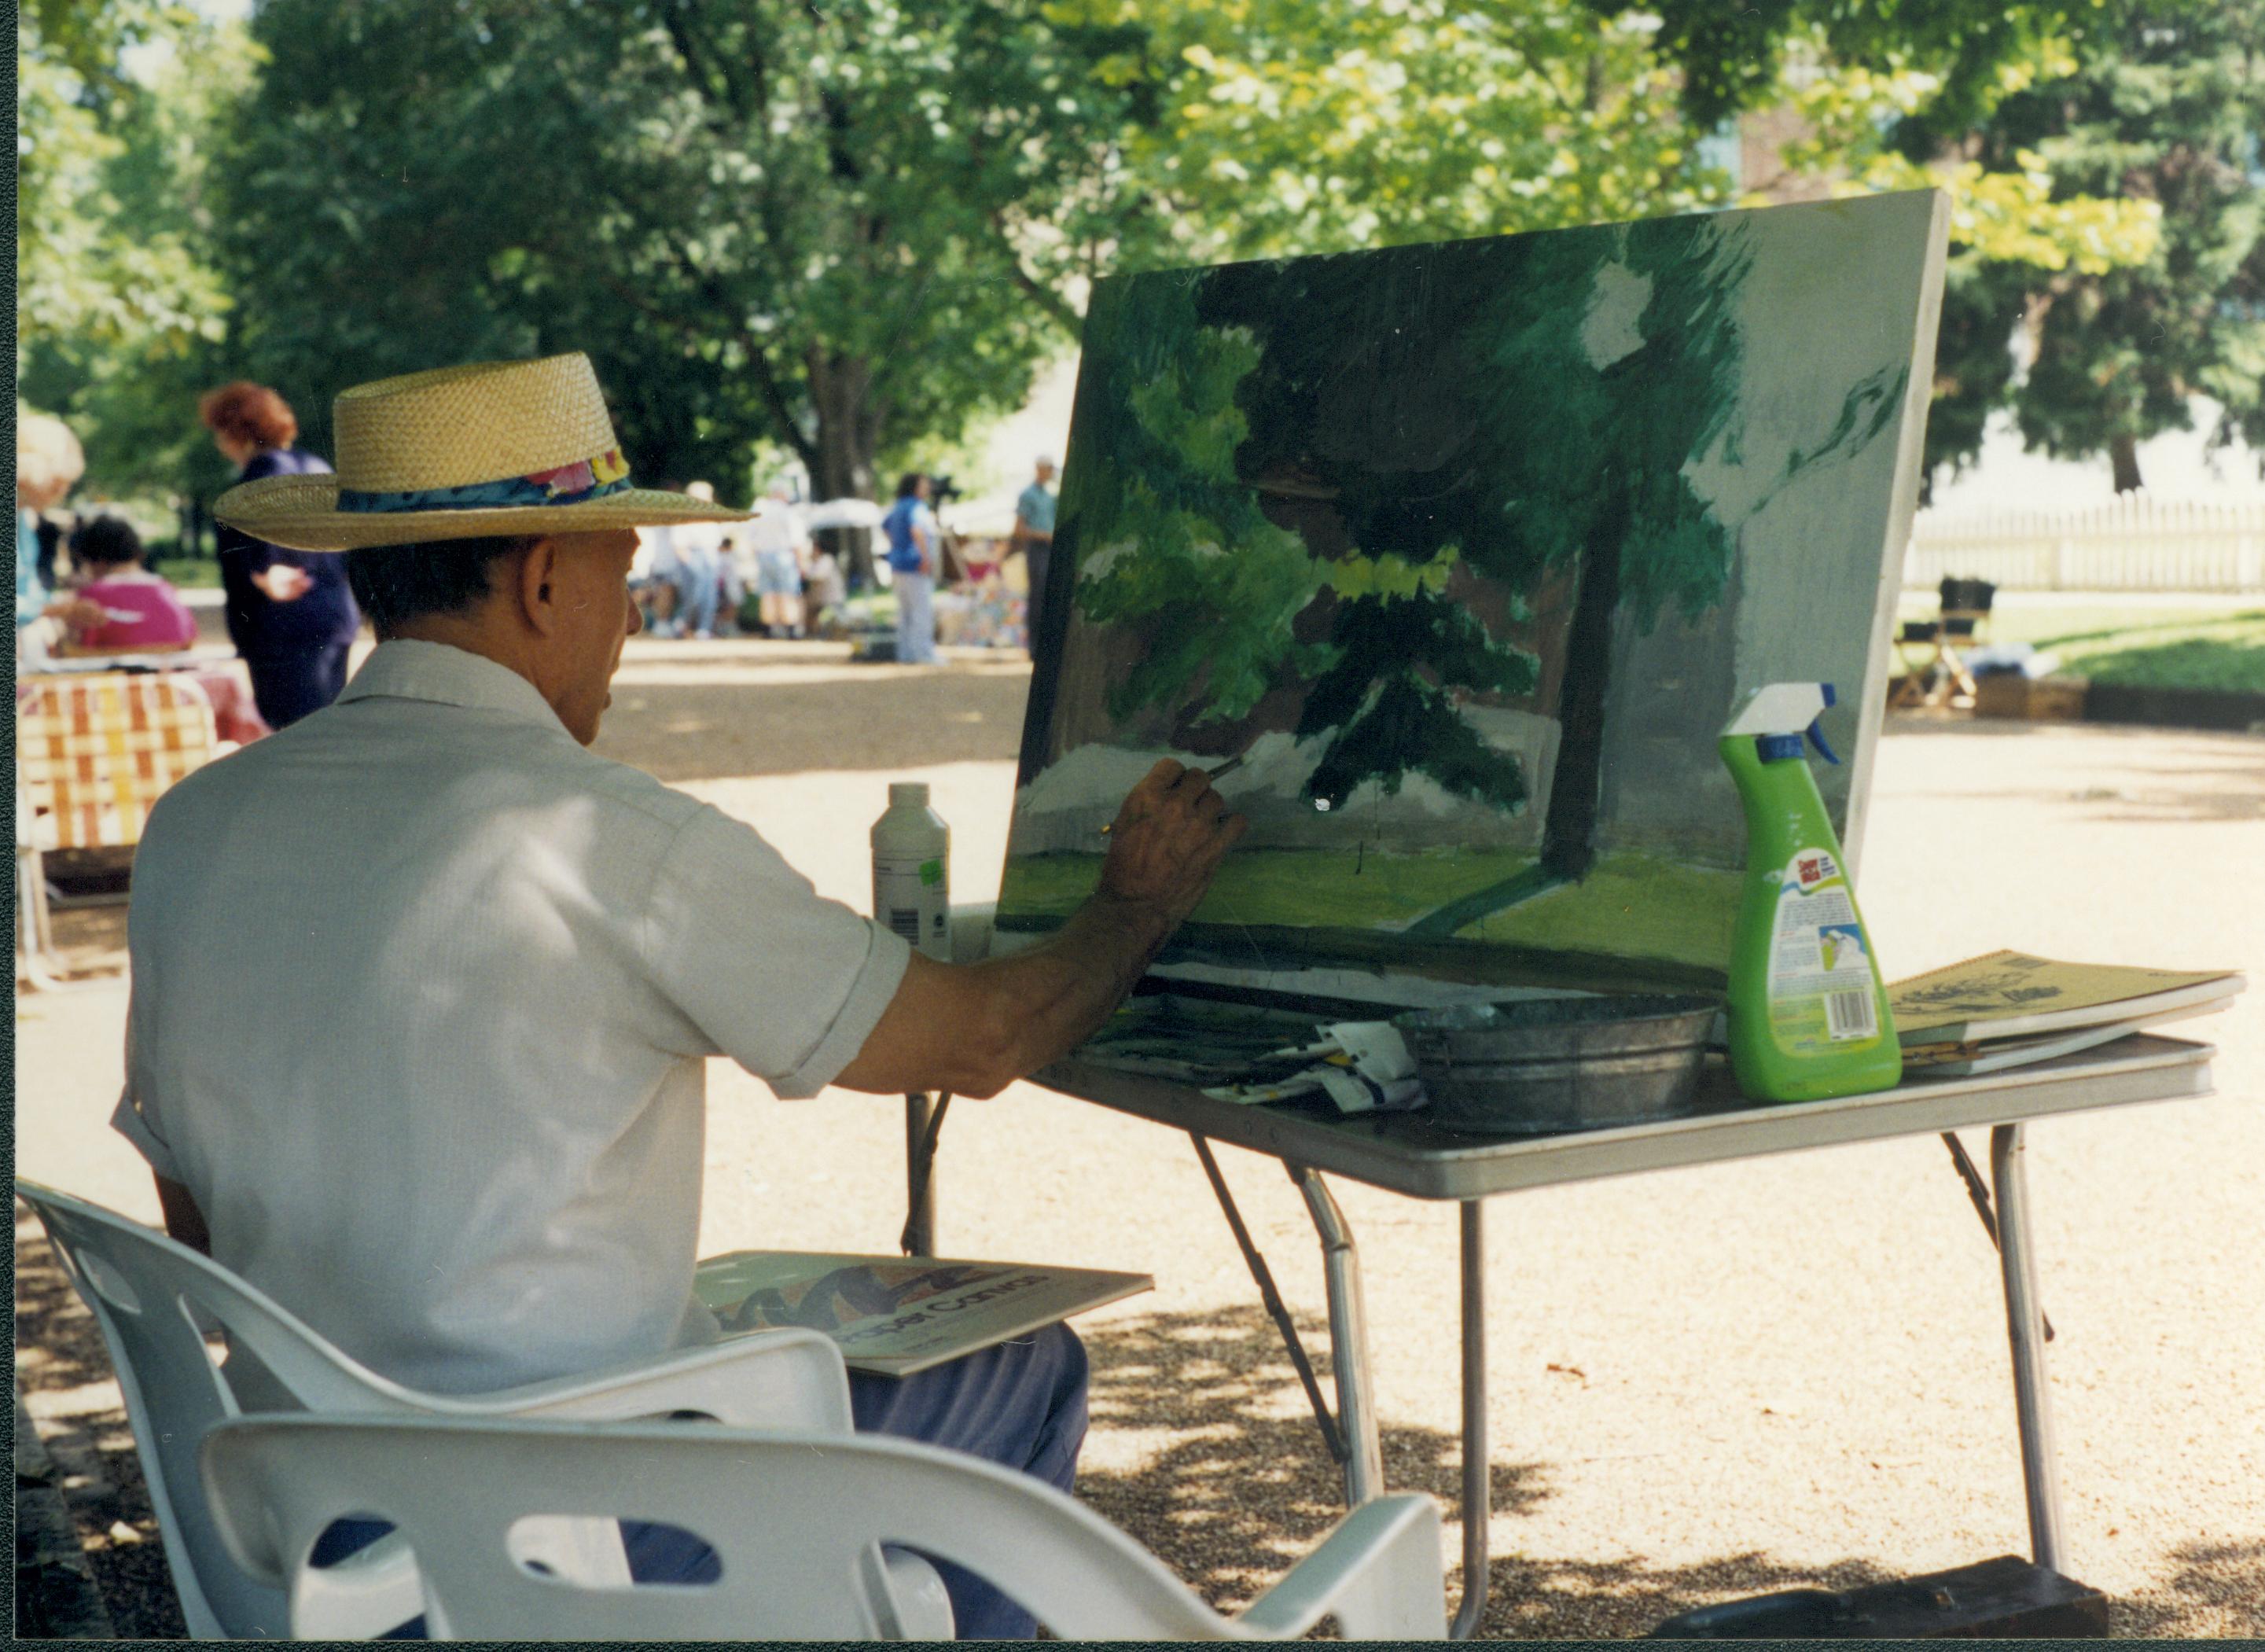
(1962, 606)
(94, 754)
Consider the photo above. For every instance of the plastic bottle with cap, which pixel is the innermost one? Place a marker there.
(1807, 1012)
(912, 860)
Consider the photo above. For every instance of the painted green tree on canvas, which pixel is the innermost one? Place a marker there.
(1525, 416)
(1166, 535)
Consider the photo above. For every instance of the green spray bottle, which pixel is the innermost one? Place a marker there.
(1809, 1015)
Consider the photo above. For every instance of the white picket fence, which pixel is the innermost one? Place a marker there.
(2137, 543)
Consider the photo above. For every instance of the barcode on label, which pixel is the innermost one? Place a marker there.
(1849, 1016)
(905, 920)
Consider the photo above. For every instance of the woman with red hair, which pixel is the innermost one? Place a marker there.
(289, 613)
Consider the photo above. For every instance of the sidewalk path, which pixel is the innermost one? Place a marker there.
(1708, 1382)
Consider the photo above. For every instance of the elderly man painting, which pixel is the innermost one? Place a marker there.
(424, 990)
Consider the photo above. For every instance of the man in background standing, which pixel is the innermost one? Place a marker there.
(777, 550)
(699, 566)
(652, 575)
(1034, 532)
(911, 529)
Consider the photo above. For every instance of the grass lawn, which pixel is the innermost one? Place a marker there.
(2223, 651)
(2147, 647)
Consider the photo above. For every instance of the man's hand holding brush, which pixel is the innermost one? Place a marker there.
(1168, 839)
(1011, 1014)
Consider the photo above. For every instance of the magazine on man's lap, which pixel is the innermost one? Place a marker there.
(895, 1315)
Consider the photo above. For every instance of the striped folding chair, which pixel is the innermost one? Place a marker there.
(93, 753)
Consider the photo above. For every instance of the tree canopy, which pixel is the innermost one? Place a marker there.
(832, 229)
(1312, 125)
(118, 301)
(1735, 57)
(2110, 198)
(2165, 109)
(844, 233)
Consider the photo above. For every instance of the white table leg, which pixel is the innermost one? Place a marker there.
(2032, 1399)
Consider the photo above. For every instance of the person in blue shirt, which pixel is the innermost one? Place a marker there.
(35, 603)
(31, 595)
(911, 529)
(1034, 530)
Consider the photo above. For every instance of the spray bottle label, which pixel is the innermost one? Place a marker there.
(911, 898)
(1821, 989)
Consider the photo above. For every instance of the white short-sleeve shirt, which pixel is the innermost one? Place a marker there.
(423, 992)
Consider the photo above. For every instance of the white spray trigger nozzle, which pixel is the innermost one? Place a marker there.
(1787, 708)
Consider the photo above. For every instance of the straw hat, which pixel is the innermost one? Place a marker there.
(461, 452)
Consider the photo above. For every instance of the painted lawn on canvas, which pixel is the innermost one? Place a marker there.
(1467, 551)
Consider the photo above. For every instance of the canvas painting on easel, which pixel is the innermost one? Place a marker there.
(1466, 551)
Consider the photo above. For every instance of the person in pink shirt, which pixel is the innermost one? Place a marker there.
(140, 612)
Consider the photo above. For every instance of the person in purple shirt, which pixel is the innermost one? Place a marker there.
(290, 612)
(138, 611)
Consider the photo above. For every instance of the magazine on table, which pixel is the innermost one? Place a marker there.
(895, 1315)
(2005, 995)
(1994, 1055)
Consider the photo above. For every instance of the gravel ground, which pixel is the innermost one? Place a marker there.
(1707, 1383)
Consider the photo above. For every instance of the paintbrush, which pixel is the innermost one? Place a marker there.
(1227, 767)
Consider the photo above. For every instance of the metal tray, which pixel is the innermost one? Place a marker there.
(1538, 1065)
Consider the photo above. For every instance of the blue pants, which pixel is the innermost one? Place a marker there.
(1021, 1404)
(915, 619)
(695, 598)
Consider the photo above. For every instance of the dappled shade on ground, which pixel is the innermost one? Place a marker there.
(1244, 1485)
(1241, 1487)
(65, 1373)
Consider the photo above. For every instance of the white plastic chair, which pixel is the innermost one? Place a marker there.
(156, 1302)
(797, 1518)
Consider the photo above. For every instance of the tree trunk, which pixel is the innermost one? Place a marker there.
(2123, 452)
(1569, 833)
(840, 390)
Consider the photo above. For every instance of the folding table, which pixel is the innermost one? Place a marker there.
(1409, 1155)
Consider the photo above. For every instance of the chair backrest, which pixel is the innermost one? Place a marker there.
(169, 1315)
(797, 1519)
(1968, 598)
(156, 1302)
(97, 751)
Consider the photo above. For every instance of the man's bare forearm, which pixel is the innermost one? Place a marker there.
(1058, 993)
(974, 1028)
